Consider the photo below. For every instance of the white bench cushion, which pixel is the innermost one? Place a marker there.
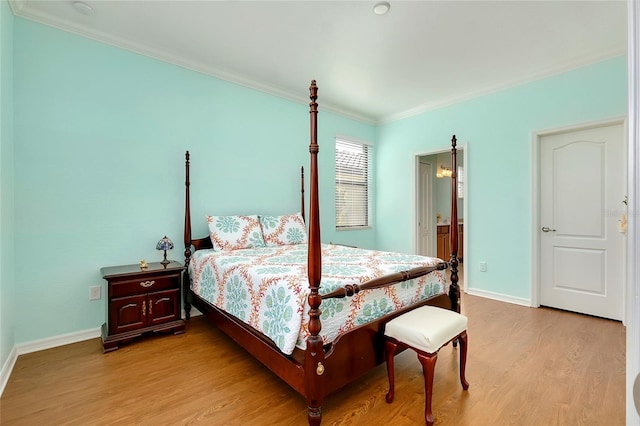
(426, 328)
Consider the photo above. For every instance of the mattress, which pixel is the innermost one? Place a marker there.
(268, 287)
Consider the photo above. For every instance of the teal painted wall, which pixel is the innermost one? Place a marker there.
(7, 293)
(497, 131)
(100, 136)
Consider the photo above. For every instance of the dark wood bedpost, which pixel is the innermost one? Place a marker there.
(454, 288)
(314, 354)
(187, 238)
(302, 193)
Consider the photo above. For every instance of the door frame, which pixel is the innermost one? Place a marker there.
(415, 213)
(426, 214)
(535, 199)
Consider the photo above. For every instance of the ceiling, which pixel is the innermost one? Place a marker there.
(421, 55)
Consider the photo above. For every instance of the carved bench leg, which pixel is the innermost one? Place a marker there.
(463, 359)
(428, 362)
(390, 350)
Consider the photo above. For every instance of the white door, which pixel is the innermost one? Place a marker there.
(424, 210)
(582, 188)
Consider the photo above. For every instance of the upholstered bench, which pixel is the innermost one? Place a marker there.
(425, 330)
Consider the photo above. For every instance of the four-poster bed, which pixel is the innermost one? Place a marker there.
(318, 365)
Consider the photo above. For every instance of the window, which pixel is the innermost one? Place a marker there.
(353, 176)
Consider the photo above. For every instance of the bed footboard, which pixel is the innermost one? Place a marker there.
(385, 281)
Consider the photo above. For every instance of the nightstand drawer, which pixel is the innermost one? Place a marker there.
(144, 285)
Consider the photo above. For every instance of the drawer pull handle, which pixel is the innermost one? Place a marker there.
(147, 283)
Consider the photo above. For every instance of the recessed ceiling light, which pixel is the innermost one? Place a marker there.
(82, 8)
(381, 8)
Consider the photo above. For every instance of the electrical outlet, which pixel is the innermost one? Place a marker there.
(483, 266)
(95, 292)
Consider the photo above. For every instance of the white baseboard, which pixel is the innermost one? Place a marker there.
(40, 345)
(499, 297)
(7, 368)
(66, 339)
(55, 341)
(51, 342)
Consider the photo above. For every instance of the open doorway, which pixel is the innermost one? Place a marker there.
(433, 205)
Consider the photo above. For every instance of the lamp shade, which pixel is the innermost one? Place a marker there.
(164, 244)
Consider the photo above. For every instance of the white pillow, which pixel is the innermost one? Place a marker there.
(283, 230)
(235, 232)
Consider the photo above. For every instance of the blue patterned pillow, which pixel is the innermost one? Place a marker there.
(283, 230)
(235, 232)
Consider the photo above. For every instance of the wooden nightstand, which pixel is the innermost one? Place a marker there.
(140, 301)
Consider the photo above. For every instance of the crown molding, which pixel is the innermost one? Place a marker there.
(21, 9)
(567, 66)
(17, 6)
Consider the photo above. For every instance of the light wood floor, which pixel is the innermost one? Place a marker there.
(525, 367)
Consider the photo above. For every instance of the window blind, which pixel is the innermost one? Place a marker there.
(353, 175)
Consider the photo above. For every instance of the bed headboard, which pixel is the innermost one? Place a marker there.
(205, 242)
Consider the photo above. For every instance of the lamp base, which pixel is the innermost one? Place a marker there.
(165, 262)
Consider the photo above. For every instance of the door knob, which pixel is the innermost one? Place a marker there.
(547, 229)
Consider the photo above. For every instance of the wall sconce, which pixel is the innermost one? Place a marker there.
(443, 171)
